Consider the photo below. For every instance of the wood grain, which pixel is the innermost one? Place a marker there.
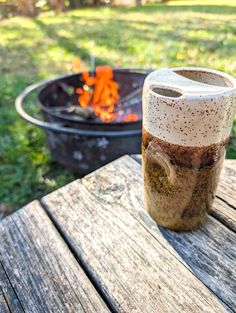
(38, 272)
(138, 266)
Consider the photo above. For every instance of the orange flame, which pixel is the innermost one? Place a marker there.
(101, 93)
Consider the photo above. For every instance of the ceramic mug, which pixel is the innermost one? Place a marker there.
(187, 119)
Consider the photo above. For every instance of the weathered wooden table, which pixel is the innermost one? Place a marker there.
(90, 247)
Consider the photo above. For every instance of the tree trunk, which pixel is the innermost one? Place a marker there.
(26, 7)
(58, 5)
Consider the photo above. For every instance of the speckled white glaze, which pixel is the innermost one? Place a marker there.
(202, 112)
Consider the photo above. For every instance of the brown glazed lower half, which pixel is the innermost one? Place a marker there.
(180, 181)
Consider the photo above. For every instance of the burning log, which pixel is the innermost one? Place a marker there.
(86, 113)
(72, 105)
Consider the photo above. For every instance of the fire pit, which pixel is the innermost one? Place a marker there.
(82, 135)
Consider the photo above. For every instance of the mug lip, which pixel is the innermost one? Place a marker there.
(223, 90)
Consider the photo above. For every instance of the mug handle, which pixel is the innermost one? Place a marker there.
(163, 160)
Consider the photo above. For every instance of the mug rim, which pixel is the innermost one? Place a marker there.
(220, 90)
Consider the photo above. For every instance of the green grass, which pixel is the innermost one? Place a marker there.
(180, 33)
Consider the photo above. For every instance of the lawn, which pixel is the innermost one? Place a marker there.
(180, 33)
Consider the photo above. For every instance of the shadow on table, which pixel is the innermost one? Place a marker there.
(206, 252)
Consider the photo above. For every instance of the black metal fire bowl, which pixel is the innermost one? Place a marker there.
(79, 144)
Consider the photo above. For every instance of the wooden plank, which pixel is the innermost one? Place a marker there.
(221, 210)
(141, 267)
(43, 274)
(224, 213)
(227, 185)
